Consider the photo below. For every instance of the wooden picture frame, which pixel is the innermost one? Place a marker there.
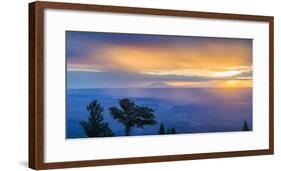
(37, 79)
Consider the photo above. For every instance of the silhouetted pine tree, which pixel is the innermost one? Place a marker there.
(161, 129)
(173, 131)
(245, 126)
(132, 115)
(95, 126)
(168, 131)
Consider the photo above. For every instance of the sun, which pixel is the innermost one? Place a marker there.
(238, 83)
(232, 83)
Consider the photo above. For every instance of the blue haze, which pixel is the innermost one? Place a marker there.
(189, 110)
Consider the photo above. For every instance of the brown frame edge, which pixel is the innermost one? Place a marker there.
(36, 84)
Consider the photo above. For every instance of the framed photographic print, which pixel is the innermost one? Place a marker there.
(118, 85)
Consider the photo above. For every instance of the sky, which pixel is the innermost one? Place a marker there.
(120, 60)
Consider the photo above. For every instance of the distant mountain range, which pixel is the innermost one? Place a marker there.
(159, 85)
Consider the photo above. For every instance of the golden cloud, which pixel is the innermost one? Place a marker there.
(210, 59)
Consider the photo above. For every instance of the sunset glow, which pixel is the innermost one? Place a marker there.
(120, 84)
(226, 73)
(173, 60)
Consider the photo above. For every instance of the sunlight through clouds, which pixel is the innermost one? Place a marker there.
(217, 62)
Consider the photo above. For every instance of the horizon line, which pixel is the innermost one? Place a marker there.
(156, 88)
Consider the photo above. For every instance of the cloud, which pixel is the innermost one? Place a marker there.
(159, 59)
(164, 54)
(144, 59)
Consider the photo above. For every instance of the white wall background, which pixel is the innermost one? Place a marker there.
(14, 84)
